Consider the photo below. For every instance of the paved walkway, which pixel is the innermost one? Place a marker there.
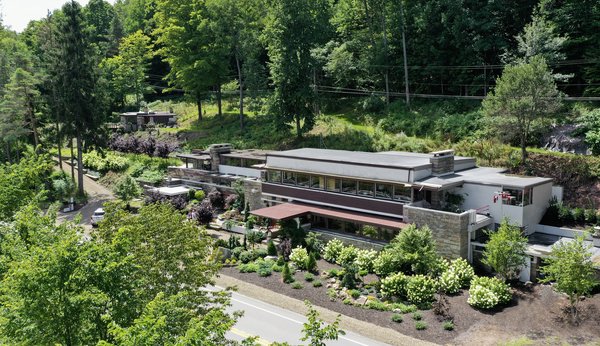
(97, 196)
(381, 334)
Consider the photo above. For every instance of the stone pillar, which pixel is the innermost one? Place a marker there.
(253, 194)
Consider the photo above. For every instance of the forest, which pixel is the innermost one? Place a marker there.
(360, 75)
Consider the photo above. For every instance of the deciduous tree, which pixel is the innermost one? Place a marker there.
(505, 251)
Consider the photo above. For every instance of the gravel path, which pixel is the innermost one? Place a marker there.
(370, 330)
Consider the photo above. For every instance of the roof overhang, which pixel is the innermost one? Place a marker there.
(286, 211)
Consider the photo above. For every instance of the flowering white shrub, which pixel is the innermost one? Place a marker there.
(347, 255)
(463, 270)
(332, 250)
(450, 281)
(421, 289)
(299, 257)
(394, 285)
(486, 293)
(364, 260)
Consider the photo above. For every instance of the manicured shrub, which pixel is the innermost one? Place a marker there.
(309, 277)
(332, 273)
(299, 257)
(332, 250)
(271, 249)
(364, 260)
(463, 270)
(297, 285)
(199, 195)
(332, 294)
(216, 199)
(264, 268)
(486, 293)
(590, 216)
(235, 252)
(277, 268)
(407, 309)
(448, 325)
(280, 261)
(394, 285)
(449, 282)
(311, 263)
(421, 290)
(286, 274)
(386, 263)
(202, 213)
(347, 255)
(349, 278)
(354, 293)
(420, 325)
(260, 253)
(347, 301)
(247, 256)
(397, 318)
(248, 267)
(579, 215)
(317, 283)
(110, 162)
(314, 244)
(416, 249)
(378, 305)
(417, 316)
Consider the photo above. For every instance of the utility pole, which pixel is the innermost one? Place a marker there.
(406, 89)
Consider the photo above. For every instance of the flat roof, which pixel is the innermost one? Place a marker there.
(291, 210)
(172, 191)
(194, 156)
(149, 114)
(389, 159)
(253, 154)
(483, 176)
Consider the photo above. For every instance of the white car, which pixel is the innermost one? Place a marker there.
(97, 216)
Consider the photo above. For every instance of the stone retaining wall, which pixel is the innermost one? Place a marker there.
(450, 230)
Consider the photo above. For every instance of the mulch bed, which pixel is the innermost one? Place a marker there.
(535, 313)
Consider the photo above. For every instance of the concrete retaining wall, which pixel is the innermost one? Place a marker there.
(450, 230)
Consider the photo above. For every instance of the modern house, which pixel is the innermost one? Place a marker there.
(137, 121)
(367, 198)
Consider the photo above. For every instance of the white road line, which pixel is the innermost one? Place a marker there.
(292, 320)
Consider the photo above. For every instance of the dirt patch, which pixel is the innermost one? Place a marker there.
(532, 314)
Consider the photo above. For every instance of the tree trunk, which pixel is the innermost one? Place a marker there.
(241, 83)
(298, 128)
(523, 149)
(32, 121)
(199, 106)
(59, 145)
(385, 49)
(406, 91)
(80, 189)
(219, 99)
(8, 152)
(72, 161)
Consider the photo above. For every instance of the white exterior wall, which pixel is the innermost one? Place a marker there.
(477, 196)
(243, 171)
(535, 211)
(343, 169)
(421, 174)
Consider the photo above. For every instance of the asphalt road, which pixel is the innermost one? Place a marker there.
(273, 323)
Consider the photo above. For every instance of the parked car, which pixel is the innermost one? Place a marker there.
(97, 216)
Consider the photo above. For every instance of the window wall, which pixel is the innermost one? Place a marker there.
(363, 188)
(517, 197)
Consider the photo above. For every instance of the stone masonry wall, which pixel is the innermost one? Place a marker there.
(253, 194)
(450, 230)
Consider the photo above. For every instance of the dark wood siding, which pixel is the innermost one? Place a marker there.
(334, 199)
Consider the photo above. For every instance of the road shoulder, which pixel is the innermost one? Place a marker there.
(366, 329)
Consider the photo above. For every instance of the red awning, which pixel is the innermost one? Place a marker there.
(286, 211)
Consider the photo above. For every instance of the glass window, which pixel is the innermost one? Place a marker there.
(349, 186)
(302, 179)
(317, 182)
(527, 196)
(333, 184)
(402, 193)
(289, 178)
(515, 197)
(366, 188)
(274, 177)
(383, 191)
(233, 161)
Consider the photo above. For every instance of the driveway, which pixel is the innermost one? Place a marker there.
(97, 196)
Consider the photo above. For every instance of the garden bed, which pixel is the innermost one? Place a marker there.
(534, 314)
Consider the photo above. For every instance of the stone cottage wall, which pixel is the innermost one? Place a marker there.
(450, 230)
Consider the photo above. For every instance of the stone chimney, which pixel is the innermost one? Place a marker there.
(215, 151)
(442, 163)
